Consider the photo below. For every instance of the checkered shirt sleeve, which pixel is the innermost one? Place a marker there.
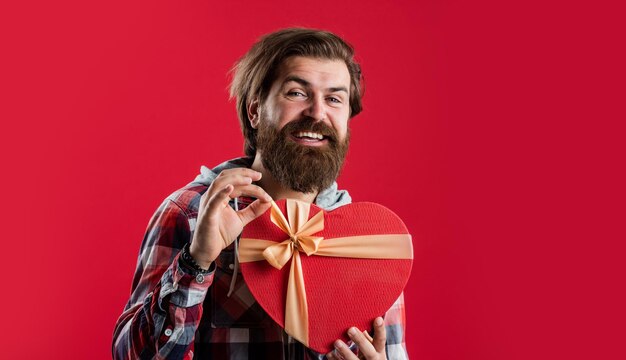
(395, 325)
(165, 307)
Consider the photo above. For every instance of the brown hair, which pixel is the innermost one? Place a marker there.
(255, 72)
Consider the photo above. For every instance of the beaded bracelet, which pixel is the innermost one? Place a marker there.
(189, 261)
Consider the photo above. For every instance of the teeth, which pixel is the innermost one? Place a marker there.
(309, 135)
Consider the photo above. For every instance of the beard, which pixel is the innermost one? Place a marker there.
(302, 168)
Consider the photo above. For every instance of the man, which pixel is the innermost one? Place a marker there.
(296, 90)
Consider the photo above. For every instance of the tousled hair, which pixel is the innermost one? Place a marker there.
(255, 72)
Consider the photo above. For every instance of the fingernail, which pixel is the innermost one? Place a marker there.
(352, 331)
(378, 322)
(339, 344)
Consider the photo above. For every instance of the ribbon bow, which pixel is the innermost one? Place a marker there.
(300, 231)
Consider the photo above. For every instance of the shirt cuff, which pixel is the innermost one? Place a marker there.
(183, 288)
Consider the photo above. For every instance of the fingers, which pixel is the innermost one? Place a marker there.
(380, 334)
(369, 348)
(333, 356)
(253, 211)
(365, 346)
(251, 191)
(220, 199)
(244, 172)
(239, 176)
(368, 336)
(235, 180)
(342, 351)
(241, 179)
(217, 186)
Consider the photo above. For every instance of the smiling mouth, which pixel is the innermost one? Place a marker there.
(308, 135)
(310, 138)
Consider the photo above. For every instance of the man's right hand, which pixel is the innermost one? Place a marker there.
(218, 225)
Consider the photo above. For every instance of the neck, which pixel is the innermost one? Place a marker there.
(276, 190)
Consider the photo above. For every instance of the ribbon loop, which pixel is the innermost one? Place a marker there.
(309, 244)
(279, 254)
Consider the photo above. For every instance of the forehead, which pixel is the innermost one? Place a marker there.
(318, 72)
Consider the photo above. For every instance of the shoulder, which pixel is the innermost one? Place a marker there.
(187, 199)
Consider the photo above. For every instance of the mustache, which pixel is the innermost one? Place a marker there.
(310, 126)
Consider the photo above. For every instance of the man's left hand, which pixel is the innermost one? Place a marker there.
(370, 349)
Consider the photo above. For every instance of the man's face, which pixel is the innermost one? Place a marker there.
(302, 125)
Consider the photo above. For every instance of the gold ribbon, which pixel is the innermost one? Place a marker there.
(301, 231)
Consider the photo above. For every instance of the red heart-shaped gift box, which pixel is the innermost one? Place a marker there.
(340, 291)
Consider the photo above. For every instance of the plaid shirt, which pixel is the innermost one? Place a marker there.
(171, 316)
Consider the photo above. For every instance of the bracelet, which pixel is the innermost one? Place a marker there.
(189, 262)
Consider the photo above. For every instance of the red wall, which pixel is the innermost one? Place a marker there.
(491, 127)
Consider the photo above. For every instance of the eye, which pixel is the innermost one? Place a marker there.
(335, 100)
(296, 93)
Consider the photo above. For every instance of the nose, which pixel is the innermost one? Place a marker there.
(316, 109)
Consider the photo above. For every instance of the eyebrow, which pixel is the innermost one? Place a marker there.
(305, 83)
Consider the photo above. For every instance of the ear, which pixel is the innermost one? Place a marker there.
(253, 112)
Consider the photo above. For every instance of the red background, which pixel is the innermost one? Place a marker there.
(493, 128)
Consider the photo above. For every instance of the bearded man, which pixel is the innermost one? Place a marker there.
(296, 91)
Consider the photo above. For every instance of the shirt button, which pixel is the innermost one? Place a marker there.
(199, 278)
(231, 266)
(168, 332)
